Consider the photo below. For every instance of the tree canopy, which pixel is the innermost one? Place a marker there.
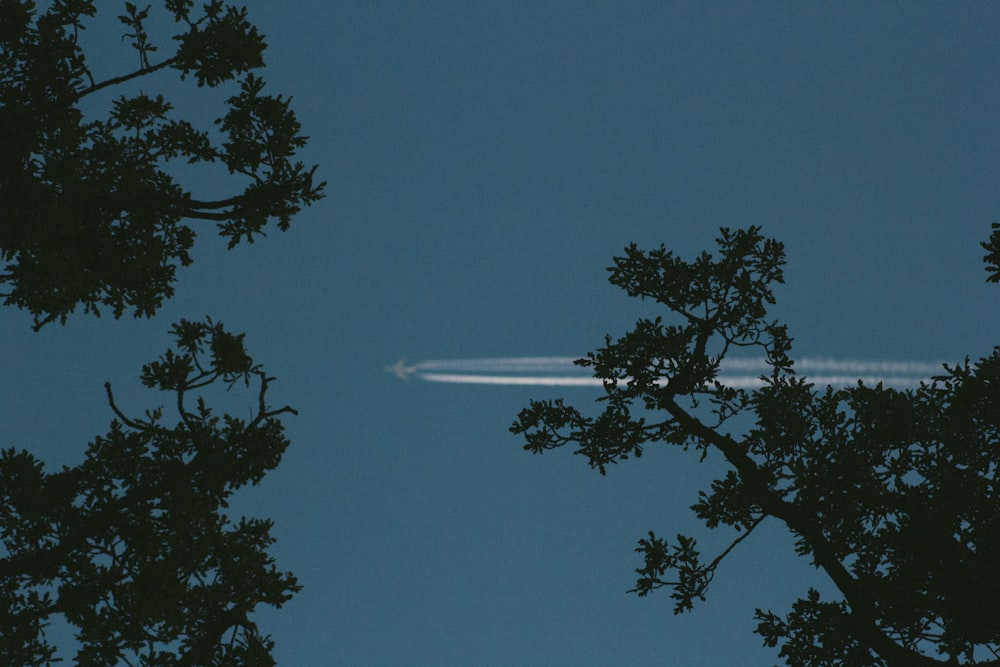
(92, 211)
(132, 546)
(891, 493)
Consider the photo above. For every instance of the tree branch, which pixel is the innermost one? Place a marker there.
(126, 77)
(137, 425)
(263, 412)
(222, 203)
(200, 215)
(862, 611)
(718, 559)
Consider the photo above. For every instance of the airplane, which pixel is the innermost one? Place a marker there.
(401, 369)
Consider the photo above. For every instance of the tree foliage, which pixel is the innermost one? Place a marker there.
(132, 546)
(92, 212)
(892, 494)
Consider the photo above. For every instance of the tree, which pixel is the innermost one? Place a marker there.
(893, 494)
(132, 546)
(91, 212)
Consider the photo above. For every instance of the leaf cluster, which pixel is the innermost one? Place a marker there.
(132, 546)
(723, 305)
(92, 211)
(892, 494)
(992, 259)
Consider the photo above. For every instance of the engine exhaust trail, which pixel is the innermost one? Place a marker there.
(739, 373)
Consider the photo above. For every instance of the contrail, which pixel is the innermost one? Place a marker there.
(504, 364)
(532, 380)
(739, 373)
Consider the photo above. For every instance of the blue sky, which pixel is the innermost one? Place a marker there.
(484, 162)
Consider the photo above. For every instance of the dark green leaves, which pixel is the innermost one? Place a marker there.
(891, 494)
(719, 303)
(189, 369)
(992, 259)
(133, 546)
(133, 19)
(819, 635)
(662, 557)
(181, 9)
(609, 438)
(220, 46)
(543, 423)
(729, 294)
(92, 212)
(263, 135)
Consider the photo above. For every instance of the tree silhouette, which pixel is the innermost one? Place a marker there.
(892, 494)
(132, 546)
(90, 213)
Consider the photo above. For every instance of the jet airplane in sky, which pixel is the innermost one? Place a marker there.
(401, 369)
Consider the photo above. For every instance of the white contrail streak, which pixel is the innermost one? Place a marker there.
(530, 380)
(504, 364)
(737, 373)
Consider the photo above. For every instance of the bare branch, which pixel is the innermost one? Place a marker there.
(137, 425)
(126, 77)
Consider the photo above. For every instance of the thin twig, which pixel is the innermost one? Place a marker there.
(137, 425)
(739, 539)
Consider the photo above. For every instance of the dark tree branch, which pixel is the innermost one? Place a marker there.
(137, 425)
(126, 77)
(222, 203)
(201, 215)
(718, 559)
(863, 613)
(828, 466)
